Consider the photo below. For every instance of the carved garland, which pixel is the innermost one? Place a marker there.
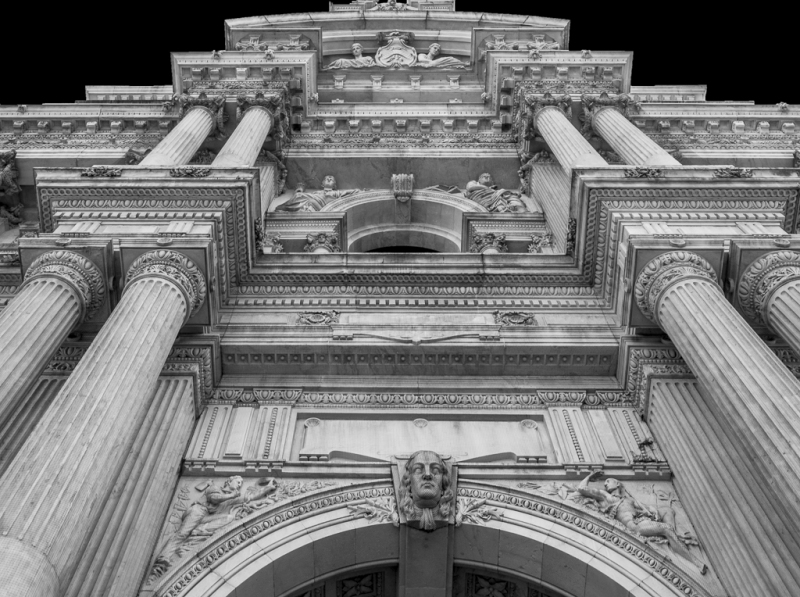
(663, 271)
(762, 277)
(83, 275)
(178, 268)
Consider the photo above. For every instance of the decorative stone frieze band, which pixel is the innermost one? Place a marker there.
(664, 270)
(763, 277)
(83, 275)
(177, 268)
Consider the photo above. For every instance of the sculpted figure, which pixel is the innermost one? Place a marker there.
(425, 493)
(617, 503)
(433, 60)
(303, 200)
(358, 61)
(219, 506)
(8, 172)
(485, 192)
(392, 5)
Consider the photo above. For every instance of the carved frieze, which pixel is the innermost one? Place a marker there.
(318, 318)
(101, 172)
(397, 52)
(515, 318)
(253, 43)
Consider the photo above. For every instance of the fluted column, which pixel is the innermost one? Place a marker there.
(551, 187)
(607, 119)
(255, 123)
(199, 117)
(53, 493)
(750, 394)
(61, 288)
(564, 140)
(769, 293)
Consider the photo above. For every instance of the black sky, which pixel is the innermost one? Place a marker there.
(50, 53)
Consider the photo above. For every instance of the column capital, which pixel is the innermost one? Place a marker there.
(78, 271)
(175, 267)
(214, 104)
(270, 102)
(662, 272)
(592, 104)
(764, 276)
(537, 103)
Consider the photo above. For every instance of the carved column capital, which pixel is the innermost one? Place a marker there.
(78, 271)
(177, 268)
(593, 104)
(662, 272)
(762, 278)
(270, 102)
(214, 104)
(537, 103)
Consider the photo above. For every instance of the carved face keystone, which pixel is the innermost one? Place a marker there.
(426, 472)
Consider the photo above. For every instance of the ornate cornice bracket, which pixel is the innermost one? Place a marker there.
(78, 271)
(663, 271)
(762, 278)
(177, 268)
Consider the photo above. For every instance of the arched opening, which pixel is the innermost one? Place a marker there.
(347, 533)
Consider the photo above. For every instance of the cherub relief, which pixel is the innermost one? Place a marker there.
(615, 502)
(425, 493)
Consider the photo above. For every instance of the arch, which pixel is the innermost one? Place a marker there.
(431, 219)
(292, 546)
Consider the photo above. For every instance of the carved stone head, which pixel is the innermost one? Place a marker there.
(425, 490)
(434, 50)
(486, 179)
(233, 483)
(329, 183)
(612, 485)
(357, 49)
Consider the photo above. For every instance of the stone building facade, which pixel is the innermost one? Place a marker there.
(399, 301)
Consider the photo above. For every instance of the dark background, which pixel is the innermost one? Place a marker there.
(50, 54)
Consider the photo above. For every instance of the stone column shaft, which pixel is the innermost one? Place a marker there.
(54, 492)
(636, 148)
(746, 388)
(61, 287)
(246, 142)
(565, 141)
(749, 546)
(182, 142)
(551, 187)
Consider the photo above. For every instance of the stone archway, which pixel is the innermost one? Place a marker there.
(431, 219)
(286, 550)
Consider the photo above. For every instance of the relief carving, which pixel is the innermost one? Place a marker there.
(425, 495)
(397, 53)
(9, 174)
(303, 200)
(296, 43)
(218, 507)
(511, 318)
(651, 522)
(12, 214)
(391, 5)
(484, 192)
(489, 242)
(322, 242)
